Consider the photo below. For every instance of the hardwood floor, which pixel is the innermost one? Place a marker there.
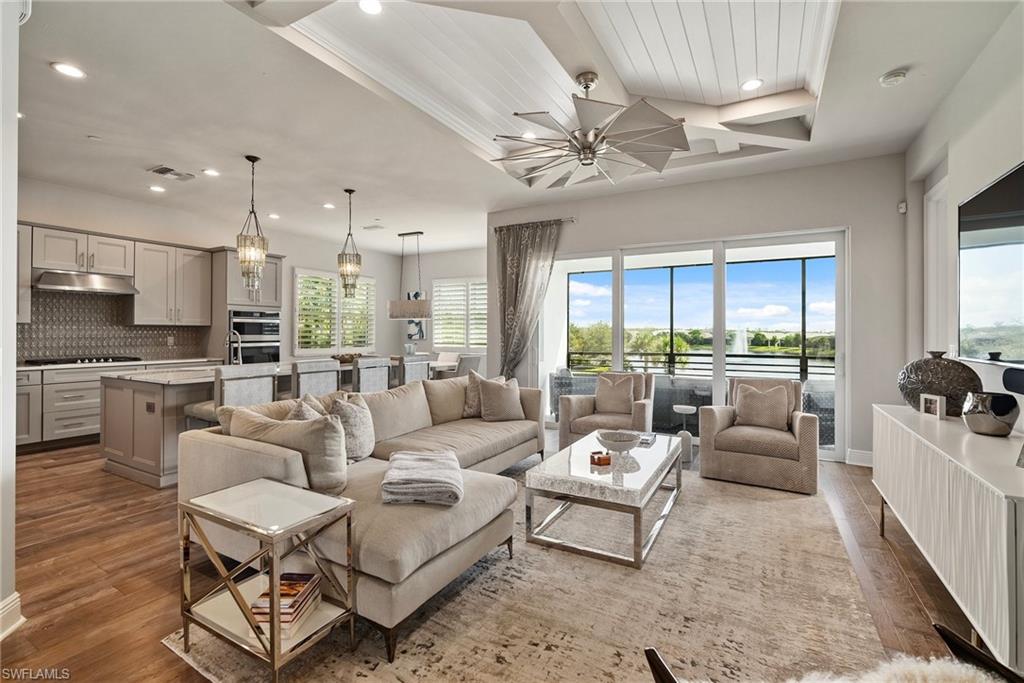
(97, 570)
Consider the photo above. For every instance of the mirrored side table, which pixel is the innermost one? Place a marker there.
(284, 520)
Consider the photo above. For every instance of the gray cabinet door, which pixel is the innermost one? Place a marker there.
(156, 266)
(59, 249)
(270, 287)
(192, 287)
(28, 415)
(24, 274)
(111, 256)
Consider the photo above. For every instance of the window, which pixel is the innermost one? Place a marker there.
(589, 310)
(460, 313)
(358, 316)
(325, 321)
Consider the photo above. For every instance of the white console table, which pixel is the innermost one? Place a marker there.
(960, 496)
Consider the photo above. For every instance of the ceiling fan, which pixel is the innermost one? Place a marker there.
(611, 140)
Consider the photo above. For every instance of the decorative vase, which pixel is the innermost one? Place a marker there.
(990, 413)
(938, 375)
(995, 355)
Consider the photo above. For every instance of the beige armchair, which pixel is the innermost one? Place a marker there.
(578, 416)
(761, 456)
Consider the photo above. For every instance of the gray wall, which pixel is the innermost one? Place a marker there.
(439, 265)
(861, 195)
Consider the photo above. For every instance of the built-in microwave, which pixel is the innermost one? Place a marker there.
(254, 336)
(259, 352)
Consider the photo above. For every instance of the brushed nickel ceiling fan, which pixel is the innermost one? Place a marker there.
(611, 140)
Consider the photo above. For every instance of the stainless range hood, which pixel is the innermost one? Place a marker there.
(64, 281)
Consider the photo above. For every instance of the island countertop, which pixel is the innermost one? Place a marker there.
(176, 377)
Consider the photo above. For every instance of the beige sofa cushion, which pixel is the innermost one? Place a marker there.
(772, 443)
(472, 439)
(762, 408)
(398, 411)
(499, 401)
(614, 394)
(357, 422)
(392, 541)
(277, 410)
(446, 397)
(590, 423)
(321, 441)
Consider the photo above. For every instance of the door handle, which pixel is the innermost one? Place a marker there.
(80, 260)
(179, 315)
(170, 313)
(73, 396)
(69, 425)
(92, 260)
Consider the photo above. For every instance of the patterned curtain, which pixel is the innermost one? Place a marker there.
(526, 252)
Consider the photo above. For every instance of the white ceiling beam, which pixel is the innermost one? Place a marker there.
(278, 12)
(783, 105)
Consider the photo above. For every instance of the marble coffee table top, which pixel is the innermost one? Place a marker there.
(629, 480)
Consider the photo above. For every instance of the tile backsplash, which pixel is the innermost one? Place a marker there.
(66, 324)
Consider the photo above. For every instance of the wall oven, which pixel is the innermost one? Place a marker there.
(254, 336)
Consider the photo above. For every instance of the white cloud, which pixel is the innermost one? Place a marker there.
(581, 303)
(766, 311)
(823, 306)
(587, 289)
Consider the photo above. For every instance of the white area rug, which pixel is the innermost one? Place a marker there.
(743, 584)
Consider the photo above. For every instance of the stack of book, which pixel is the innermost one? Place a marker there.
(300, 595)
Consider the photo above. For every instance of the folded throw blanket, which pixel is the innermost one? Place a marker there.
(433, 478)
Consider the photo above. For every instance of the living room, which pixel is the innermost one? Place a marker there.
(242, 238)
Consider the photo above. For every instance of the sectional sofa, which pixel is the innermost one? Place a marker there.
(403, 554)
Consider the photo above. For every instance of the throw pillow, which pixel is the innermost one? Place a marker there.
(614, 394)
(447, 398)
(499, 400)
(313, 402)
(357, 422)
(321, 442)
(472, 407)
(277, 410)
(762, 408)
(302, 412)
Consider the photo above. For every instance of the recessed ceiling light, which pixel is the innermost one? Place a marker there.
(69, 70)
(274, 216)
(892, 78)
(752, 84)
(156, 188)
(328, 205)
(530, 135)
(212, 172)
(370, 6)
(20, 115)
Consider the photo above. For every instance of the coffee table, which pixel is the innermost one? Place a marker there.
(626, 485)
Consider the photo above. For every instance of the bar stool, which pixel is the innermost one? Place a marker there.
(233, 385)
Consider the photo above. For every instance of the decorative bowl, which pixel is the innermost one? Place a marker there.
(618, 441)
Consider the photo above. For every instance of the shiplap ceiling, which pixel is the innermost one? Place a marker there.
(703, 51)
(468, 70)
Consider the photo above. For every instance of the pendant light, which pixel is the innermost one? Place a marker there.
(252, 246)
(406, 307)
(350, 263)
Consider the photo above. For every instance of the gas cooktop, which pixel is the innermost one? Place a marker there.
(82, 360)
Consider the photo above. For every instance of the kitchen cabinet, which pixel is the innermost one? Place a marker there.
(59, 249)
(173, 284)
(24, 307)
(269, 293)
(28, 413)
(110, 256)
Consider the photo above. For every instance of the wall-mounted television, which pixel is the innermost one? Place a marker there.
(991, 274)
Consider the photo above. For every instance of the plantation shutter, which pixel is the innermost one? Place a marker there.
(449, 314)
(316, 311)
(477, 315)
(358, 316)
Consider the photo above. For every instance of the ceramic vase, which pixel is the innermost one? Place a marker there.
(940, 376)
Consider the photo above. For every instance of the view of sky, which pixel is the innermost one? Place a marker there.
(762, 295)
(991, 279)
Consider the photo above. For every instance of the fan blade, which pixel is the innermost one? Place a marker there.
(673, 137)
(656, 159)
(546, 168)
(536, 153)
(594, 113)
(582, 173)
(640, 116)
(543, 119)
(617, 170)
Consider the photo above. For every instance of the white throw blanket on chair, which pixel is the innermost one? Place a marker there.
(432, 478)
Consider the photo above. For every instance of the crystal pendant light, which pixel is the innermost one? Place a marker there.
(350, 263)
(412, 306)
(252, 246)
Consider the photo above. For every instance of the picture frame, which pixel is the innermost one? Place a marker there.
(934, 406)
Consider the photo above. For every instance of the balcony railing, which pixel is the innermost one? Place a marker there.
(699, 364)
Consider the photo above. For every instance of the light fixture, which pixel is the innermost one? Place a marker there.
(350, 263)
(410, 305)
(328, 205)
(69, 70)
(530, 135)
(891, 79)
(370, 6)
(212, 172)
(156, 188)
(752, 84)
(273, 216)
(20, 115)
(252, 246)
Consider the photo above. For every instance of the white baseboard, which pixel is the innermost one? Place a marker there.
(10, 615)
(856, 457)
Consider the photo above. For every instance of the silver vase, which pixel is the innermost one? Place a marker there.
(990, 413)
(939, 376)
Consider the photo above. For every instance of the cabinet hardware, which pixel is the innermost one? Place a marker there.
(80, 260)
(69, 425)
(179, 315)
(170, 313)
(92, 260)
(73, 396)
